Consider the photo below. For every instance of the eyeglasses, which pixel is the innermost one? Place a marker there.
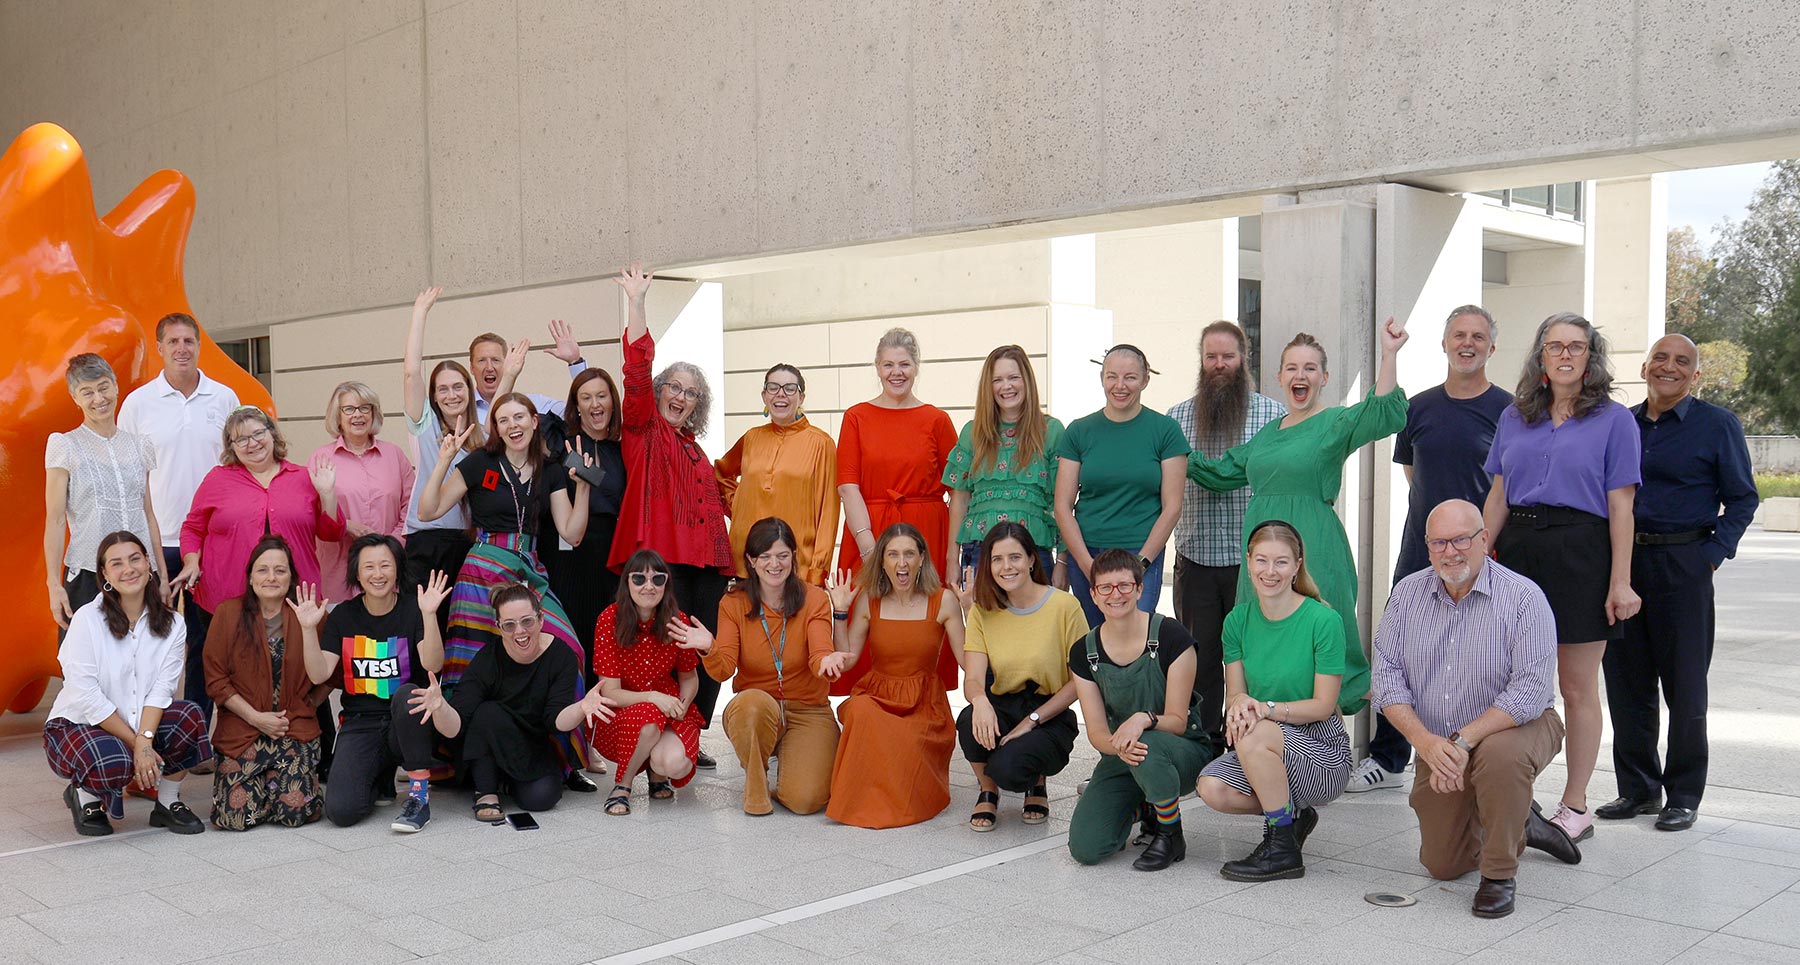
(1109, 589)
(1573, 350)
(654, 579)
(526, 624)
(782, 388)
(782, 558)
(260, 435)
(1460, 542)
(683, 391)
(350, 410)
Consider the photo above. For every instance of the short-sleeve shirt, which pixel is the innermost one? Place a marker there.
(1173, 640)
(1573, 465)
(377, 655)
(1027, 647)
(427, 434)
(1281, 656)
(1120, 494)
(499, 501)
(106, 487)
(1446, 442)
(1004, 490)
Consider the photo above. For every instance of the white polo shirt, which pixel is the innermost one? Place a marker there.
(185, 430)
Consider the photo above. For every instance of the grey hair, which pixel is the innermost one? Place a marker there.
(88, 367)
(1533, 394)
(334, 420)
(702, 410)
(1476, 310)
(898, 338)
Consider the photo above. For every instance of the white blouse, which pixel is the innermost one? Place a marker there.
(107, 478)
(103, 673)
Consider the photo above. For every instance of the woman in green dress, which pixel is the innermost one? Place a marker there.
(1294, 468)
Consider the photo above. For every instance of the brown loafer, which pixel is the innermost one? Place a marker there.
(1494, 899)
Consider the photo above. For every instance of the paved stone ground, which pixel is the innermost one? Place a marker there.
(698, 881)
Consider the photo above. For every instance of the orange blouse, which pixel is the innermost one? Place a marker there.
(743, 648)
(789, 472)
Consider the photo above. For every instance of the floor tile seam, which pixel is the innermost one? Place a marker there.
(56, 845)
(1566, 905)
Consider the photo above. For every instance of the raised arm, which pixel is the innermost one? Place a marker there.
(1393, 336)
(415, 386)
(309, 607)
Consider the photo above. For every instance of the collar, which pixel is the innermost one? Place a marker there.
(1483, 585)
(205, 386)
(1679, 410)
(374, 447)
(797, 425)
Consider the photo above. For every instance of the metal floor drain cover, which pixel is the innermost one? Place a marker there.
(1387, 900)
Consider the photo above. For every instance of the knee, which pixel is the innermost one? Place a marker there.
(1263, 738)
(344, 813)
(1217, 794)
(1086, 854)
(807, 800)
(1011, 771)
(1441, 869)
(534, 797)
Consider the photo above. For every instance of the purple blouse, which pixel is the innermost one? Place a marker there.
(1572, 465)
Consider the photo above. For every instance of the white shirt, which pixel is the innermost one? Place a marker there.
(103, 673)
(543, 403)
(426, 436)
(106, 487)
(186, 431)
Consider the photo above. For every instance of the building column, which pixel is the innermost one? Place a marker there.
(1630, 219)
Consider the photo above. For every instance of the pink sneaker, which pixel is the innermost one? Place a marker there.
(1579, 826)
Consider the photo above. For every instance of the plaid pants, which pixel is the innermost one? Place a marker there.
(99, 763)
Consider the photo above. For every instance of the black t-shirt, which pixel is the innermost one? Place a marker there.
(1173, 640)
(496, 492)
(1445, 441)
(604, 499)
(376, 654)
(527, 698)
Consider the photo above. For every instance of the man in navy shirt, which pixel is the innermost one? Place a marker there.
(1696, 501)
(1448, 431)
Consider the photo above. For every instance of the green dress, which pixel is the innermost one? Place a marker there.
(1294, 475)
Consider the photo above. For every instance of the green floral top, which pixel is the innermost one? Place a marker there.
(1005, 491)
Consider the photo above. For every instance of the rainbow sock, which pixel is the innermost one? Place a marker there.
(1281, 818)
(1167, 812)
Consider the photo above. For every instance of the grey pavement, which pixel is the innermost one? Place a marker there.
(696, 880)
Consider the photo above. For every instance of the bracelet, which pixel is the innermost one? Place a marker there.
(859, 532)
(840, 614)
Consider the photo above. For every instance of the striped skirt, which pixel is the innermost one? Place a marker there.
(496, 560)
(1317, 757)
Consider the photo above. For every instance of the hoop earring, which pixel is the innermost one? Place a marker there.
(106, 587)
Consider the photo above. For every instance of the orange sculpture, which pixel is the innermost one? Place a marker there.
(71, 282)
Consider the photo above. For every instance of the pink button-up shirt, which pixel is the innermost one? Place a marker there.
(232, 511)
(372, 489)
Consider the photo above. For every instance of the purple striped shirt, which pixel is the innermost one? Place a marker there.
(1451, 660)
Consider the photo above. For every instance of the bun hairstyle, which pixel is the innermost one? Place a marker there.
(1283, 532)
(506, 593)
(1305, 340)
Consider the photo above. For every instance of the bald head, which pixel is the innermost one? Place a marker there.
(1669, 370)
(1454, 516)
(1450, 521)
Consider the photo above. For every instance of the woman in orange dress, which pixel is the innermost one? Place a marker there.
(891, 455)
(893, 760)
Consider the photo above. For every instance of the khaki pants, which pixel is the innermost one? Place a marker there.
(806, 745)
(1483, 825)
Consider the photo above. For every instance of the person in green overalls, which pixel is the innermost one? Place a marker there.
(1295, 467)
(1134, 676)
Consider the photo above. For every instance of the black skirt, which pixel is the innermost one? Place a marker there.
(580, 579)
(1568, 554)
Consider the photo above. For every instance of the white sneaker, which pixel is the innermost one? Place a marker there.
(1370, 775)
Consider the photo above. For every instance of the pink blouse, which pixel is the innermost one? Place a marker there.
(232, 511)
(372, 489)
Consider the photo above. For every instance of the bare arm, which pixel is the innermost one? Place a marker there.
(1068, 483)
(1093, 713)
(856, 516)
(56, 528)
(412, 378)
(1174, 475)
(959, 510)
(1622, 602)
(1494, 512)
(570, 512)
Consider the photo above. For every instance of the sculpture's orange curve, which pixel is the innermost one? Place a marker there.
(72, 282)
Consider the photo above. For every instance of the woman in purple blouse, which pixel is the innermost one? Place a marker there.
(1565, 467)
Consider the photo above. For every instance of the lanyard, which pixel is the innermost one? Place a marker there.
(777, 654)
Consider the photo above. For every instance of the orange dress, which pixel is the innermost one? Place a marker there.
(897, 457)
(893, 761)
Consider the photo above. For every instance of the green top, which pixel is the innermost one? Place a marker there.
(1281, 656)
(1294, 475)
(1006, 491)
(1120, 494)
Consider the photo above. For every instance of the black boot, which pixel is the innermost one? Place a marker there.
(1304, 822)
(1167, 846)
(1277, 857)
(1146, 825)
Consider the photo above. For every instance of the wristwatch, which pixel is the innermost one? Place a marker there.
(1144, 561)
(148, 735)
(1457, 739)
(1035, 719)
(1271, 708)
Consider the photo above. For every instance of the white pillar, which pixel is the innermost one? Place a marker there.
(1630, 218)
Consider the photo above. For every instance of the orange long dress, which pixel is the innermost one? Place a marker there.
(897, 457)
(893, 761)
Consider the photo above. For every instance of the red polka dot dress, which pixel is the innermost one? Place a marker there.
(646, 666)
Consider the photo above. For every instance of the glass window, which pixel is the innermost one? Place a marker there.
(1536, 198)
(1568, 198)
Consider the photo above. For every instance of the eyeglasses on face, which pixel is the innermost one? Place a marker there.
(350, 410)
(1460, 542)
(526, 624)
(683, 391)
(260, 435)
(1109, 589)
(654, 579)
(1572, 350)
(782, 388)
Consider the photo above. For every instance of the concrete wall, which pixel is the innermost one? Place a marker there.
(348, 152)
(1775, 453)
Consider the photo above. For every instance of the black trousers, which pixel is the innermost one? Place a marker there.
(1669, 644)
(698, 590)
(1203, 595)
(443, 550)
(198, 622)
(540, 794)
(1019, 764)
(368, 748)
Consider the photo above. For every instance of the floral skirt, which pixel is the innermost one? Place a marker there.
(275, 782)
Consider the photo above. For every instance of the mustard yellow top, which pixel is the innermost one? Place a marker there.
(785, 471)
(1027, 647)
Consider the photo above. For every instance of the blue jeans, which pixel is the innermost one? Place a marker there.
(971, 556)
(1152, 588)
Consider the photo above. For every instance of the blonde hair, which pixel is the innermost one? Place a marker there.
(898, 338)
(1282, 532)
(1304, 340)
(334, 419)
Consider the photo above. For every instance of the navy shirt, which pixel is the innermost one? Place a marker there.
(1695, 462)
(1446, 441)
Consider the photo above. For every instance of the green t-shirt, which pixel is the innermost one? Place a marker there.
(1281, 656)
(1121, 475)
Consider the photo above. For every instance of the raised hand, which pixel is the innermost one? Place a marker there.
(964, 588)
(426, 701)
(308, 605)
(324, 474)
(840, 585)
(427, 298)
(515, 357)
(433, 592)
(1393, 335)
(634, 280)
(562, 342)
(587, 459)
(450, 443)
(596, 709)
(690, 635)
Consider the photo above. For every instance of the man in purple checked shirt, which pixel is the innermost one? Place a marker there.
(1465, 659)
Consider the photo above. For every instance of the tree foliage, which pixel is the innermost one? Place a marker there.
(1773, 343)
(1689, 271)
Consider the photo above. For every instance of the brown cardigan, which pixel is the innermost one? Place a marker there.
(238, 665)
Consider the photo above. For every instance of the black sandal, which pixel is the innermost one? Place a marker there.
(662, 790)
(986, 820)
(489, 812)
(618, 803)
(1036, 813)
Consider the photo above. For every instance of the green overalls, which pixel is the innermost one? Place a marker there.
(1106, 812)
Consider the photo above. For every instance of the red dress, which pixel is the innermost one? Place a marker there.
(671, 502)
(897, 457)
(644, 667)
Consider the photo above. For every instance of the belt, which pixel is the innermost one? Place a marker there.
(1544, 516)
(1671, 539)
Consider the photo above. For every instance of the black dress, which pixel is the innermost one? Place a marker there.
(579, 576)
(509, 709)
